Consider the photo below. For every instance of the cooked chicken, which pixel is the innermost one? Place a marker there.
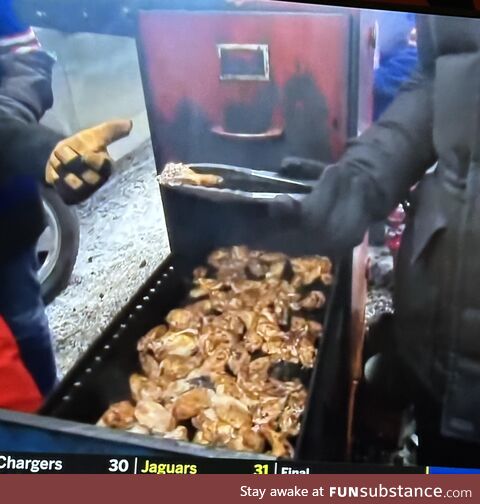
(252, 440)
(257, 269)
(277, 388)
(183, 343)
(239, 360)
(267, 326)
(175, 389)
(268, 411)
(226, 384)
(231, 410)
(289, 421)
(253, 341)
(203, 307)
(277, 269)
(313, 301)
(246, 439)
(205, 286)
(280, 446)
(200, 438)
(307, 270)
(215, 361)
(258, 369)
(224, 301)
(150, 366)
(180, 433)
(180, 174)
(155, 334)
(273, 257)
(229, 321)
(191, 404)
(144, 389)
(200, 272)
(138, 429)
(299, 327)
(212, 430)
(327, 278)
(307, 352)
(119, 416)
(229, 257)
(174, 367)
(182, 319)
(154, 416)
(315, 329)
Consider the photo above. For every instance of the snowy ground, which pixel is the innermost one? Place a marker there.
(123, 239)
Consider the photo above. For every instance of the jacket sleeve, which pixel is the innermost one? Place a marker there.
(26, 84)
(25, 148)
(25, 69)
(379, 167)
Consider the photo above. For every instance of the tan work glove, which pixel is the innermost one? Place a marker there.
(80, 164)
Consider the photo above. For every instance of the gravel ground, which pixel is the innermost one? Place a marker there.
(123, 239)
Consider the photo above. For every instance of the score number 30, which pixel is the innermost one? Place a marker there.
(118, 465)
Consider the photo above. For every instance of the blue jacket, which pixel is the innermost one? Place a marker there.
(398, 59)
(393, 72)
(10, 24)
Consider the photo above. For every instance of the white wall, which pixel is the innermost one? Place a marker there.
(96, 78)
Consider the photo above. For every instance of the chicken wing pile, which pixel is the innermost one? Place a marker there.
(207, 372)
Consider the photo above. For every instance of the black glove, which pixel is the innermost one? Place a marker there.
(301, 168)
(333, 217)
(81, 164)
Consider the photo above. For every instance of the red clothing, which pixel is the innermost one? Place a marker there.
(18, 391)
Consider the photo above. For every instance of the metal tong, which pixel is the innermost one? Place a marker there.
(243, 184)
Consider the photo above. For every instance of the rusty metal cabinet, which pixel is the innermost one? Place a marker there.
(249, 88)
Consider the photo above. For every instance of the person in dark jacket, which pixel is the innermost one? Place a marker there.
(31, 154)
(436, 116)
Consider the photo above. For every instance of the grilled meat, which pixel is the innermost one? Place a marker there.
(211, 364)
(180, 174)
(119, 416)
(191, 404)
(154, 416)
(308, 270)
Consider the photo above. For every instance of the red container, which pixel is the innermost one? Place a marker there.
(250, 87)
(396, 225)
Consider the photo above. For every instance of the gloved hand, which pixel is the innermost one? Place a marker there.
(301, 168)
(333, 217)
(80, 164)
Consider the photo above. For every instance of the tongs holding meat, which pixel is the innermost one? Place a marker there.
(223, 183)
(282, 207)
(178, 174)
